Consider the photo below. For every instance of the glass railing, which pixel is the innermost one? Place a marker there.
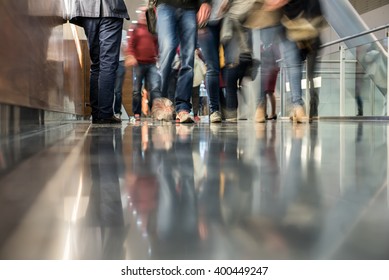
(350, 81)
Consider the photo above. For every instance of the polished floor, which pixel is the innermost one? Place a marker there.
(152, 190)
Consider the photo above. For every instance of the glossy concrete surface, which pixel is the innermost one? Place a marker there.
(223, 191)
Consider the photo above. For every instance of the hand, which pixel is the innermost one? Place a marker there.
(130, 61)
(203, 14)
(225, 5)
(272, 5)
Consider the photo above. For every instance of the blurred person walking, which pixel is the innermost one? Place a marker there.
(177, 26)
(142, 54)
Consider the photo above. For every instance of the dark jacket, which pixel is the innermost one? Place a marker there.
(311, 8)
(184, 4)
(97, 9)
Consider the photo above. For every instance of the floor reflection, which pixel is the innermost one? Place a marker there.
(221, 191)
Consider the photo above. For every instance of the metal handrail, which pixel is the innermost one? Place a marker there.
(354, 36)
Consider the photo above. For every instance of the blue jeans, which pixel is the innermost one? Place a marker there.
(104, 39)
(145, 73)
(209, 41)
(178, 27)
(120, 73)
(292, 61)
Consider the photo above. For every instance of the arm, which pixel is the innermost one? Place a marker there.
(130, 53)
(203, 14)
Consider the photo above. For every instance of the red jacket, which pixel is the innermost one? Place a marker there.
(142, 44)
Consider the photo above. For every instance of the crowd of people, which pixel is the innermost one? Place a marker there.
(214, 33)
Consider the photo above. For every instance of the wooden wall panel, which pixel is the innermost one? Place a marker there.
(38, 69)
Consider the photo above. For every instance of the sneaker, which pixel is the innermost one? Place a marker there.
(197, 118)
(232, 120)
(184, 117)
(231, 115)
(137, 117)
(162, 109)
(215, 117)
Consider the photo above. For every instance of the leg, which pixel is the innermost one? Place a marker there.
(196, 100)
(138, 79)
(153, 82)
(209, 43)
(120, 73)
(166, 25)
(187, 32)
(92, 32)
(110, 39)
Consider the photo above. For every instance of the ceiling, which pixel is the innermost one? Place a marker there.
(132, 6)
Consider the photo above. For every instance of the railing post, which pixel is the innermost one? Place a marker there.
(387, 73)
(307, 88)
(282, 88)
(342, 82)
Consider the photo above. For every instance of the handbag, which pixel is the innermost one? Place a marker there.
(151, 17)
(300, 28)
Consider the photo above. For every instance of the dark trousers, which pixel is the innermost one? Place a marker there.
(104, 38)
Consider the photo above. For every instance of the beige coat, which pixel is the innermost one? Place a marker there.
(258, 18)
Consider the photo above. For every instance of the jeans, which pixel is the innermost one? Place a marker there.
(179, 27)
(120, 73)
(104, 39)
(209, 41)
(145, 73)
(293, 64)
(231, 77)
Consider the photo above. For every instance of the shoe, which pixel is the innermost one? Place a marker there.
(118, 115)
(184, 117)
(197, 118)
(299, 114)
(162, 109)
(260, 114)
(95, 120)
(111, 120)
(137, 117)
(215, 117)
(274, 117)
(232, 120)
(231, 116)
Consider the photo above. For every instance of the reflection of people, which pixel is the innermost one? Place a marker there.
(102, 23)
(120, 74)
(105, 209)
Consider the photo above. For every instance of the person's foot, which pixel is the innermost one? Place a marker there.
(299, 114)
(137, 117)
(231, 115)
(184, 117)
(215, 117)
(273, 117)
(111, 120)
(260, 114)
